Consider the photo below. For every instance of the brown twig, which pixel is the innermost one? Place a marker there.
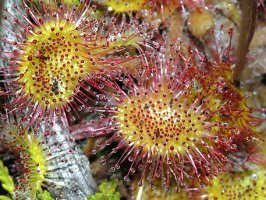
(247, 29)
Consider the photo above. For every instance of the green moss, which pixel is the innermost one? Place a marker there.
(6, 181)
(2, 197)
(107, 191)
(45, 195)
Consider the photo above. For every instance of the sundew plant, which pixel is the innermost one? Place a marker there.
(148, 99)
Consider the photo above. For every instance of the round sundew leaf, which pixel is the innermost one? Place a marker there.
(248, 185)
(58, 57)
(53, 61)
(177, 124)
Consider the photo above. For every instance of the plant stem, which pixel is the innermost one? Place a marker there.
(247, 29)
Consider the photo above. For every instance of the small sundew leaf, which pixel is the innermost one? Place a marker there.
(6, 179)
(107, 191)
(31, 159)
(45, 195)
